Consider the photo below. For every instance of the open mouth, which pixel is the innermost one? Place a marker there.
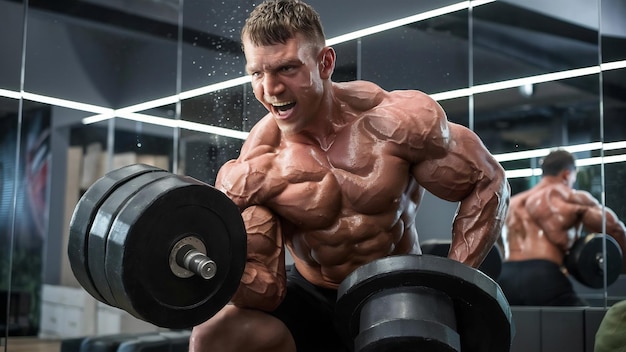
(282, 107)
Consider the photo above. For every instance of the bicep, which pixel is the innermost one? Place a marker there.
(465, 163)
(593, 214)
(245, 180)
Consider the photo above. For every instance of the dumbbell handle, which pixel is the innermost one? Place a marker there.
(195, 261)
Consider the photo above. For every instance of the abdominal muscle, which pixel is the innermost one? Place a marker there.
(326, 256)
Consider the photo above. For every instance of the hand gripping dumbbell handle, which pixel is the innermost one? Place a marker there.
(195, 261)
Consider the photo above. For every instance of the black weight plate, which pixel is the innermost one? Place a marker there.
(584, 264)
(408, 335)
(483, 315)
(83, 215)
(99, 231)
(139, 245)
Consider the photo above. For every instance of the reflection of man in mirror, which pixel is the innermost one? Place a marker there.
(335, 173)
(541, 226)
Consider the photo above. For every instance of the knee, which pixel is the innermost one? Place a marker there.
(206, 336)
(236, 329)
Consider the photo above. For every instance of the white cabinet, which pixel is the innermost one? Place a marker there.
(112, 320)
(66, 312)
(71, 312)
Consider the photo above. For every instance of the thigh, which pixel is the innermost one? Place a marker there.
(308, 312)
(238, 329)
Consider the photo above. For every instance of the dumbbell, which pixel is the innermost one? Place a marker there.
(171, 250)
(168, 249)
(422, 303)
(588, 262)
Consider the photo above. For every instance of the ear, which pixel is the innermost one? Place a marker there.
(566, 176)
(327, 62)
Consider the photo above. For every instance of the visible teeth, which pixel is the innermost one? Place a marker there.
(282, 104)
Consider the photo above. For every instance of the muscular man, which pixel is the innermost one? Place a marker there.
(541, 226)
(335, 173)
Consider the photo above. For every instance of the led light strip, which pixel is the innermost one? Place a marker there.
(540, 153)
(548, 77)
(404, 21)
(520, 173)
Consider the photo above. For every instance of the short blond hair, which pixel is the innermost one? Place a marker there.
(276, 21)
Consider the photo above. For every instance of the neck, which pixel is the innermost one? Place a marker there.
(553, 179)
(323, 130)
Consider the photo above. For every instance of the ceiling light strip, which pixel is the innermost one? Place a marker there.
(65, 103)
(520, 173)
(10, 94)
(151, 104)
(614, 145)
(615, 65)
(194, 126)
(188, 125)
(399, 23)
(539, 153)
(98, 118)
(214, 87)
(491, 87)
(577, 148)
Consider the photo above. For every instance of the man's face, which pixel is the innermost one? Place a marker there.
(286, 80)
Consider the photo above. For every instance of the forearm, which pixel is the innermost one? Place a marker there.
(479, 220)
(260, 288)
(615, 227)
(263, 284)
(598, 219)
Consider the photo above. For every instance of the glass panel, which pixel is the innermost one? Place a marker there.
(105, 56)
(9, 132)
(613, 43)
(429, 55)
(513, 39)
(551, 50)
(90, 56)
(341, 17)
(544, 115)
(211, 51)
(11, 36)
(32, 187)
(231, 111)
(457, 111)
(347, 65)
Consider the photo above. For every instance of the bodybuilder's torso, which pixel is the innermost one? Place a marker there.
(542, 223)
(342, 206)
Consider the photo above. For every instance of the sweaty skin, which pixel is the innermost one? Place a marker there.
(544, 222)
(356, 200)
(335, 173)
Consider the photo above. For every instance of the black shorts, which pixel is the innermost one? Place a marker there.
(308, 312)
(537, 283)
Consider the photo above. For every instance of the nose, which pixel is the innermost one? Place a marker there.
(272, 86)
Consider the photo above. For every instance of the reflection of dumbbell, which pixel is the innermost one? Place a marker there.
(587, 263)
(423, 303)
(168, 249)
